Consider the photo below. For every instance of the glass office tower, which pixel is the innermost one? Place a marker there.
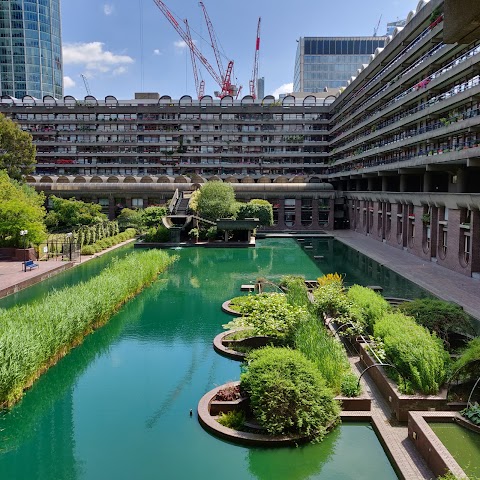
(30, 48)
(330, 61)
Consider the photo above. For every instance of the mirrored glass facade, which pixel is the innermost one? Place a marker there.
(331, 61)
(30, 48)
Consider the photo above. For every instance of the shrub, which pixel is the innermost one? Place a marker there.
(270, 315)
(287, 393)
(438, 316)
(472, 413)
(211, 233)
(296, 291)
(157, 234)
(469, 358)
(329, 278)
(350, 385)
(417, 354)
(368, 306)
(88, 250)
(330, 300)
(233, 419)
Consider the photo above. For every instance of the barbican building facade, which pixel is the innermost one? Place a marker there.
(395, 156)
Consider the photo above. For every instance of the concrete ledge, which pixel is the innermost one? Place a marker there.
(220, 348)
(438, 458)
(226, 308)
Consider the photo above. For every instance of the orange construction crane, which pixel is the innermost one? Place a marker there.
(253, 81)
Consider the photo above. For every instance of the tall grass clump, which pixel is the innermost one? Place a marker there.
(367, 306)
(470, 358)
(327, 354)
(34, 336)
(330, 300)
(296, 291)
(418, 354)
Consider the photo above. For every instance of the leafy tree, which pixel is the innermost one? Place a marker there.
(130, 218)
(21, 208)
(67, 213)
(256, 208)
(216, 200)
(152, 216)
(18, 150)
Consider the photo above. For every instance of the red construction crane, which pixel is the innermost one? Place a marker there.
(253, 81)
(199, 85)
(223, 81)
(227, 87)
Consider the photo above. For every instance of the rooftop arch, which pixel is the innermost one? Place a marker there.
(268, 100)
(129, 179)
(288, 101)
(185, 101)
(226, 101)
(206, 100)
(96, 179)
(247, 100)
(113, 179)
(79, 179)
(146, 179)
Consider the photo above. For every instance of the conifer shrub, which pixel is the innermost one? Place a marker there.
(287, 393)
(367, 306)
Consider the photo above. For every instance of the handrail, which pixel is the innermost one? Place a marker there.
(173, 201)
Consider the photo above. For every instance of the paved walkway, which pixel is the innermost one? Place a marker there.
(441, 282)
(406, 457)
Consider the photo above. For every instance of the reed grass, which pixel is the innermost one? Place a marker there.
(35, 336)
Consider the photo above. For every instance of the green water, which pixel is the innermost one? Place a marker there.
(117, 407)
(463, 445)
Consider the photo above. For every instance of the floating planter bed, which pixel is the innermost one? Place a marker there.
(209, 409)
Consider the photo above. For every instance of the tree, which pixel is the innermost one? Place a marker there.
(21, 208)
(67, 213)
(130, 218)
(216, 200)
(256, 208)
(152, 216)
(17, 151)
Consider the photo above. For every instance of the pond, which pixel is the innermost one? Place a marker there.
(118, 405)
(463, 444)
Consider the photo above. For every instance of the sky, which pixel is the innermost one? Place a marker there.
(128, 46)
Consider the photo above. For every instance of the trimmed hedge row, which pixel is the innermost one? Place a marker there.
(108, 242)
(34, 336)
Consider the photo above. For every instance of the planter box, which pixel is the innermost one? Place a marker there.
(400, 404)
(224, 406)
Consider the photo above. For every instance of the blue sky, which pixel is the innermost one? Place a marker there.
(127, 46)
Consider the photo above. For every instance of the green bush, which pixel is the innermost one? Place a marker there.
(367, 306)
(472, 413)
(438, 316)
(468, 364)
(330, 300)
(234, 419)
(88, 250)
(33, 335)
(270, 315)
(288, 394)
(296, 291)
(159, 234)
(350, 385)
(417, 354)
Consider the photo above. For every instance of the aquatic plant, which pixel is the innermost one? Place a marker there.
(34, 336)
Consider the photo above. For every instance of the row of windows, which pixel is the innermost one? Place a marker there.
(351, 59)
(341, 47)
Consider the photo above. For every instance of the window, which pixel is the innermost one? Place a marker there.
(137, 202)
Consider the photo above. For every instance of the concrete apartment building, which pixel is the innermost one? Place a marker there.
(395, 156)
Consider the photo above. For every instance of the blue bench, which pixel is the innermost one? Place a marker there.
(30, 264)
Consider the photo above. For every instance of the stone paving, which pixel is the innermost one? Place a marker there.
(441, 282)
(394, 436)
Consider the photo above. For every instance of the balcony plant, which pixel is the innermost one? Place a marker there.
(426, 218)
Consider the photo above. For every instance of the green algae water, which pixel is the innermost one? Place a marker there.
(463, 445)
(117, 407)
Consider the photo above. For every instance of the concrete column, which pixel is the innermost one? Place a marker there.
(370, 184)
(461, 180)
(358, 184)
(281, 214)
(384, 183)
(427, 182)
(111, 208)
(315, 214)
(331, 204)
(298, 213)
(128, 202)
(403, 183)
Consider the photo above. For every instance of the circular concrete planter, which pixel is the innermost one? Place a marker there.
(210, 424)
(226, 308)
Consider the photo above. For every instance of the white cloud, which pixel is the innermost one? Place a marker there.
(285, 88)
(108, 9)
(119, 70)
(157, 52)
(180, 44)
(68, 82)
(94, 58)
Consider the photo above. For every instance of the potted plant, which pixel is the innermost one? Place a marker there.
(426, 218)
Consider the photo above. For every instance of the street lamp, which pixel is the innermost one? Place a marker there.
(23, 233)
(69, 236)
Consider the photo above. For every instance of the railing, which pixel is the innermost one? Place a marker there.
(173, 201)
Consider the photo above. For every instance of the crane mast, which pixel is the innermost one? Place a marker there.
(199, 85)
(253, 81)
